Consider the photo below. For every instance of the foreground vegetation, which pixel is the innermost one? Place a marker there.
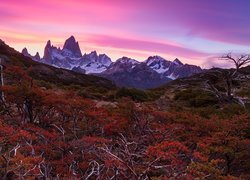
(57, 133)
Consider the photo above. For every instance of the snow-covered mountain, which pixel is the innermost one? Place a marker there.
(122, 64)
(93, 63)
(70, 57)
(125, 71)
(158, 64)
(171, 69)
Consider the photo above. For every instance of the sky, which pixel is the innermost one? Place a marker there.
(195, 31)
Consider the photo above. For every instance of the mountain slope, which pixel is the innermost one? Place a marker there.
(194, 93)
(126, 72)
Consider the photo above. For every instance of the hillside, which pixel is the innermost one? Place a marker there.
(49, 129)
(194, 94)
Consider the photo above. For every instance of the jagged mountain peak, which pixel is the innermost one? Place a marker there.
(152, 60)
(72, 38)
(93, 52)
(25, 51)
(103, 55)
(158, 64)
(177, 62)
(37, 56)
(93, 55)
(71, 47)
(104, 59)
(125, 59)
(48, 44)
(156, 57)
(47, 51)
(27, 54)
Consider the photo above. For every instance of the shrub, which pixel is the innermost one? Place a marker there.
(154, 94)
(45, 84)
(135, 94)
(204, 100)
(245, 92)
(196, 98)
(185, 95)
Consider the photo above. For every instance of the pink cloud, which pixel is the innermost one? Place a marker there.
(142, 45)
(132, 27)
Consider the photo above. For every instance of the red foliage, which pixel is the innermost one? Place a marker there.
(62, 135)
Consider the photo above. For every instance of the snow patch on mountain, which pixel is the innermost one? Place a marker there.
(127, 61)
(158, 64)
(94, 68)
(56, 55)
(172, 76)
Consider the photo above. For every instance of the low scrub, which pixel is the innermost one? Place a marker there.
(196, 98)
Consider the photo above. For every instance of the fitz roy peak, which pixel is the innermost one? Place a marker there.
(70, 57)
(71, 48)
(125, 72)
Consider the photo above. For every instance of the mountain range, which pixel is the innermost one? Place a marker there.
(124, 72)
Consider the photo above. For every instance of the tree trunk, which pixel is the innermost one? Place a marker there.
(1, 79)
(28, 110)
(229, 88)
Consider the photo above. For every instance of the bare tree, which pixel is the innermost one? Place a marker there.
(228, 77)
(238, 61)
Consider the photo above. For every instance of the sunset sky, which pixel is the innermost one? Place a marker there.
(195, 31)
